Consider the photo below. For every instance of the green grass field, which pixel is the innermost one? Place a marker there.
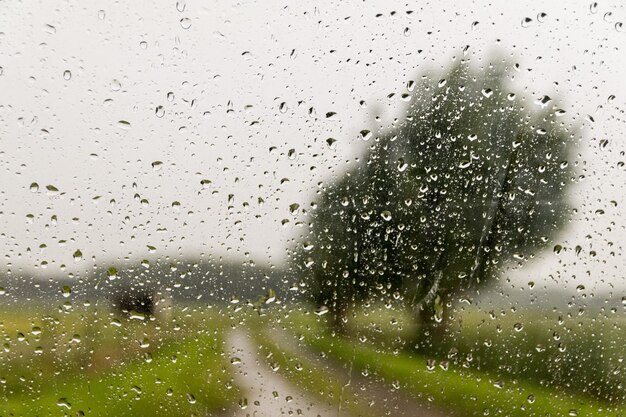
(93, 363)
(461, 390)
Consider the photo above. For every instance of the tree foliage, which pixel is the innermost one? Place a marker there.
(474, 177)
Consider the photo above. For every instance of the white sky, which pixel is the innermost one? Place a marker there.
(242, 53)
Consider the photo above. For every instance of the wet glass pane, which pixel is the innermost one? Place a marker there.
(266, 208)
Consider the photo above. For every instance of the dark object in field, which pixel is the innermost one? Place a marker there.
(128, 302)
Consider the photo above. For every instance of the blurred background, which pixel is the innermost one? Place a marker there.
(343, 208)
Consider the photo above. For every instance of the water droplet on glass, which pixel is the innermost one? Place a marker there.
(66, 291)
(321, 310)
(185, 23)
(365, 134)
(159, 111)
(115, 85)
(34, 187)
(63, 402)
(67, 75)
(112, 273)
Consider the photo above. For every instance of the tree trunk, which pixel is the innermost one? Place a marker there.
(339, 315)
(433, 329)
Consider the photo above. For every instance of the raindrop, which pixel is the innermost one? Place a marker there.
(67, 75)
(101, 14)
(62, 402)
(115, 85)
(34, 187)
(323, 310)
(386, 215)
(112, 273)
(365, 134)
(543, 101)
(159, 111)
(526, 22)
(185, 23)
(66, 291)
(78, 255)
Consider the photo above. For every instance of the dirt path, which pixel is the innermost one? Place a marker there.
(268, 394)
(385, 399)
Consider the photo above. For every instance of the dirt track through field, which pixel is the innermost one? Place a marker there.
(384, 399)
(267, 393)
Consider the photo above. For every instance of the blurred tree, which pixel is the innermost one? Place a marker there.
(474, 177)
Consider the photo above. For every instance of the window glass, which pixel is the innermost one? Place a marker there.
(264, 208)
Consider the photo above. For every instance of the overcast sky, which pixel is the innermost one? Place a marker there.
(71, 71)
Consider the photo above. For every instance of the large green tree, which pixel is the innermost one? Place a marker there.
(475, 176)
